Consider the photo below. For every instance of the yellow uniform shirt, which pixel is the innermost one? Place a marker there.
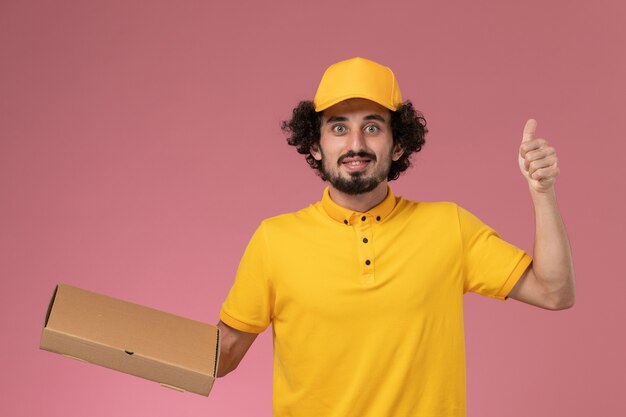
(366, 308)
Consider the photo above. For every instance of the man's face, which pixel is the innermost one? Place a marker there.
(356, 146)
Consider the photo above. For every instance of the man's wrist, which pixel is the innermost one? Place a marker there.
(543, 197)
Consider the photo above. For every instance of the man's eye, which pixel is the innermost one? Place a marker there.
(339, 129)
(371, 129)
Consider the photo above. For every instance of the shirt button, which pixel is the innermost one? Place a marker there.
(345, 222)
(363, 218)
(367, 262)
(365, 240)
(377, 218)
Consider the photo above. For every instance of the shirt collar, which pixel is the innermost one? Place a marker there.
(341, 214)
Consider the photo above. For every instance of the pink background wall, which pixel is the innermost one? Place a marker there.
(140, 147)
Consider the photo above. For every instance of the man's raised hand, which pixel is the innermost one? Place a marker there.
(537, 160)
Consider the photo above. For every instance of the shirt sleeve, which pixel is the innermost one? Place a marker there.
(491, 265)
(248, 306)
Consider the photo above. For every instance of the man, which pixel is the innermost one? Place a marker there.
(364, 289)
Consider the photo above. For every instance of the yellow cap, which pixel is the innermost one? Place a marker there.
(358, 78)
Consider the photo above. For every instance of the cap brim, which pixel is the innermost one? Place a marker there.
(336, 100)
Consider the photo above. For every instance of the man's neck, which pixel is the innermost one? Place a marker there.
(359, 202)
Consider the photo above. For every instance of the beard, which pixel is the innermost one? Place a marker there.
(358, 182)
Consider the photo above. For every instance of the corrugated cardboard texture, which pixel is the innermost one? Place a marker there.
(162, 347)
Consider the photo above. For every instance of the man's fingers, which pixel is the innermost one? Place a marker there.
(541, 151)
(546, 174)
(531, 145)
(533, 166)
(529, 130)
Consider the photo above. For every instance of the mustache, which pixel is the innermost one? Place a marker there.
(352, 154)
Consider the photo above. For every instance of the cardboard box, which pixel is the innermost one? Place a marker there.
(174, 351)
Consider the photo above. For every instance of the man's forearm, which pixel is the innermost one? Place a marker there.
(233, 346)
(552, 264)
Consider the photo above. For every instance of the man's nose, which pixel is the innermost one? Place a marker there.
(357, 141)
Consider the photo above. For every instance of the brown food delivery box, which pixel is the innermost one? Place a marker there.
(174, 351)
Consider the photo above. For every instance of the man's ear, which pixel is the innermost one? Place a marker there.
(315, 151)
(398, 151)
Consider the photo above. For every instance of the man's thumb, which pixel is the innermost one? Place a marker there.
(529, 130)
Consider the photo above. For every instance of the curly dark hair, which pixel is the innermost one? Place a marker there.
(408, 128)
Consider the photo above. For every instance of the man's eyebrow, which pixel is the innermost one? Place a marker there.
(375, 117)
(334, 119)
